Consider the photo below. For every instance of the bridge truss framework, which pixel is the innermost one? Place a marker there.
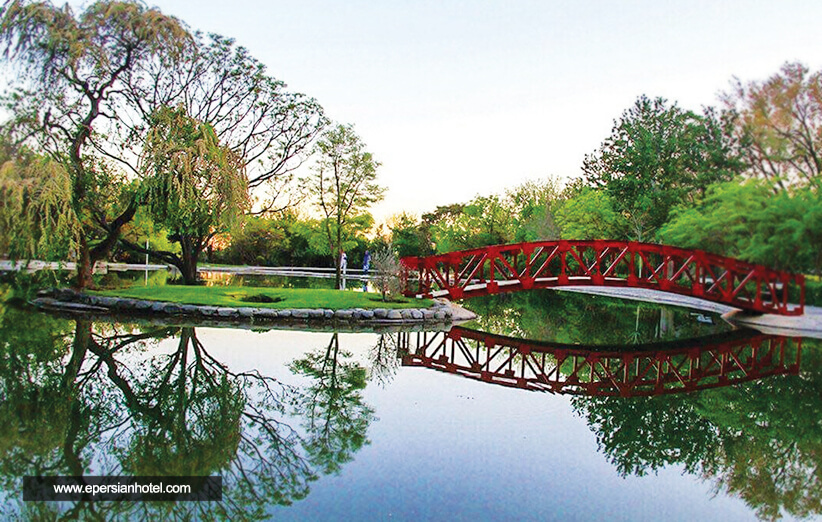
(547, 264)
(660, 369)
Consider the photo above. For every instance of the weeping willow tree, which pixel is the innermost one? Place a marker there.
(193, 186)
(36, 216)
(67, 101)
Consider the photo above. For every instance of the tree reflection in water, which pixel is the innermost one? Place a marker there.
(760, 441)
(335, 417)
(96, 399)
(575, 318)
(103, 400)
(741, 410)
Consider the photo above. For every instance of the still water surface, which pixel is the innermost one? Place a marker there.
(423, 426)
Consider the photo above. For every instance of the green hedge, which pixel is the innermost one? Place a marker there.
(813, 291)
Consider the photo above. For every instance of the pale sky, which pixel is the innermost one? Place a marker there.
(459, 98)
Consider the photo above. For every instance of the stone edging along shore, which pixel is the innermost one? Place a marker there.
(68, 300)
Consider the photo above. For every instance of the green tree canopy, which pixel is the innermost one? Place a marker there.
(343, 185)
(37, 219)
(750, 222)
(589, 214)
(533, 205)
(221, 84)
(659, 155)
(409, 237)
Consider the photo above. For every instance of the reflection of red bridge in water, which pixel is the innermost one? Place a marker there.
(546, 264)
(642, 370)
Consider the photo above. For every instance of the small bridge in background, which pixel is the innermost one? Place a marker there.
(627, 371)
(549, 264)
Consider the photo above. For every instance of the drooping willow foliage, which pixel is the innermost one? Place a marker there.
(192, 183)
(37, 220)
(194, 186)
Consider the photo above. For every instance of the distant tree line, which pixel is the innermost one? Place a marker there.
(741, 179)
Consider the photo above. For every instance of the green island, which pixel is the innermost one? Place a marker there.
(264, 297)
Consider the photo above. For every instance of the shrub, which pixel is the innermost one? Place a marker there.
(387, 271)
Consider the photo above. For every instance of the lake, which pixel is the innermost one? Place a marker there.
(550, 406)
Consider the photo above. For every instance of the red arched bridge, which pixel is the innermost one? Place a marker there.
(632, 371)
(548, 264)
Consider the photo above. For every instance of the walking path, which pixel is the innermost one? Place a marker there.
(102, 267)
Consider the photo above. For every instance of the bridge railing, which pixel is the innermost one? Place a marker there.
(545, 264)
(657, 369)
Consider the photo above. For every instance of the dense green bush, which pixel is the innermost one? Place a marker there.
(749, 221)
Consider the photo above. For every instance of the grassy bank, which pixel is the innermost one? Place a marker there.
(259, 297)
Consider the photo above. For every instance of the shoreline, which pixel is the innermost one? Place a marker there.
(442, 312)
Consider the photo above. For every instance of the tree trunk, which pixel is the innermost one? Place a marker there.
(85, 266)
(338, 278)
(338, 272)
(89, 256)
(189, 256)
(71, 454)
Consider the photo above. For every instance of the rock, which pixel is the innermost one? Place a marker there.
(101, 300)
(380, 313)
(427, 314)
(299, 314)
(189, 309)
(172, 308)
(266, 313)
(439, 314)
(66, 294)
(158, 306)
(416, 314)
(246, 311)
(142, 305)
(80, 298)
(316, 314)
(394, 314)
(328, 314)
(208, 311)
(367, 314)
(227, 312)
(125, 304)
(344, 314)
(284, 313)
(55, 304)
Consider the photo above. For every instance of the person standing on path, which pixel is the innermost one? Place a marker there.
(343, 268)
(366, 265)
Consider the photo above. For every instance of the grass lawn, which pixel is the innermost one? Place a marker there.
(279, 298)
